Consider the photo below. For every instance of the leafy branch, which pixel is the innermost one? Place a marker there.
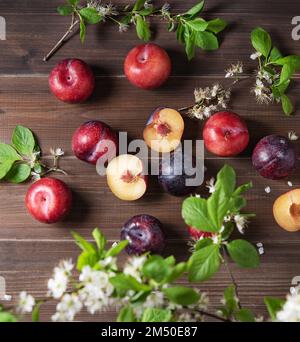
(191, 30)
(275, 71)
(22, 158)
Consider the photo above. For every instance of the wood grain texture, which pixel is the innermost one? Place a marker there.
(29, 250)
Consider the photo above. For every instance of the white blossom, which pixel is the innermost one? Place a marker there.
(289, 183)
(67, 308)
(123, 27)
(210, 184)
(234, 70)
(26, 303)
(255, 55)
(267, 189)
(133, 267)
(166, 8)
(58, 152)
(241, 223)
(292, 136)
(291, 309)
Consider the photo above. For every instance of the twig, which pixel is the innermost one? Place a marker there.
(211, 315)
(63, 39)
(231, 276)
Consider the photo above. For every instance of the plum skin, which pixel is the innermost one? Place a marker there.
(170, 178)
(144, 233)
(274, 157)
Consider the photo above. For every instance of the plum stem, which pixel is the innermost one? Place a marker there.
(62, 40)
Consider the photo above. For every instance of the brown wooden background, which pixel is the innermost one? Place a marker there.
(29, 250)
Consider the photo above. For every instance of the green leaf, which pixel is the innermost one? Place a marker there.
(157, 315)
(243, 253)
(216, 25)
(231, 300)
(226, 180)
(287, 72)
(204, 263)
(5, 167)
(126, 314)
(261, 41)
(7, 317)
(99, 239)
(181, 295)
(142, 29)
(90, 15)
(65, 10)
(35, 316)
(87, 259)
(73, 2)
(273, 305)
(244, 315)
(176, 272)
(293, 61)
(180, 32)
(287, 105)
(18, 173)
(275, 54)
(206, 40)
(170, 260)
(202, 243)
(23, 140)
(197, 24)
(8, 153)
(195, 214)
(124, 282)
(243, 188)
(116, 250)
(139, 5)
(82, 31)
(195, 9)
(83, 244)
(156, 268)
(189, 40)
(227, 231)
(146, 11)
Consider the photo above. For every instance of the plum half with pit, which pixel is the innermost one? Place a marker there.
(173, 175)
(145, 234)
(274, 157)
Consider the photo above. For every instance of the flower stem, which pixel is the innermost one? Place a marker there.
(62, 40)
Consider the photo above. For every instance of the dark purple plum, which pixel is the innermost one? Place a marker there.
(144, 233)
(172, 175)
(274, 157)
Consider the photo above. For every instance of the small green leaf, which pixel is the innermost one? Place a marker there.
(142, 29)
(126, 314)
(189, 40)
(206, 40)
(116, 250)
(65, 10)
(170, 260)
(287, 105)
(242, 189)
(90, 15)
(124, 282)
(293, 61)
(7, 317)
(261, 41)
(139, 5)
(5, 168)
(180, 32)
(18, 173)
(35, 316)
(83, 243)
(287, 72)
(156, 268)
(87, 259)
(8, 153)
(197, 24)
(195, 9)
(273, 305)
(243, 253)
(23, 140)
(204, 263)
(244, 315)
(73, 2)
(181, 295)
(157, 315)
(202, 243)
(226, 180)
(176, 272)
(195, 214)
(275, 54)
(82, 31)
(99, 239)
(216, 25)
(230, 299)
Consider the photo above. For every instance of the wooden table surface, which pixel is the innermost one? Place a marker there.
(29, 250)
